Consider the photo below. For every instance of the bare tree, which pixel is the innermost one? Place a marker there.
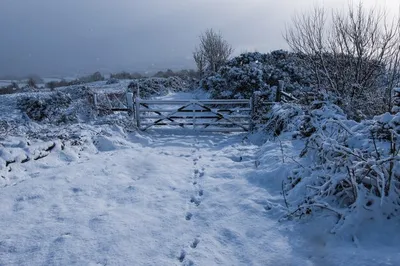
(200, 61)
(349, 52)
(213, 51)
(32, 83)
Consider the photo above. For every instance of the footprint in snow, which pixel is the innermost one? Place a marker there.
(195, 201)
(268, 207)
(76, 190)
(195, 243)
(188, 216)
(236, 159)
(182, 255)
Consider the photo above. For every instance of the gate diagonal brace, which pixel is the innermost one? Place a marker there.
(164, 117)
(222, 116)
(157, 112)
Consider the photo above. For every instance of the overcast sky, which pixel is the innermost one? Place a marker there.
(69, 37)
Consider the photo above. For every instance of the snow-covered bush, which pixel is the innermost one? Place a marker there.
(284, 118)
(45, 108)
(32, 83)
(97, 76)
(62, 83)
(396, 100)
(242, 81)
(350, 169)
(125, 75)
(157, 86)
(62, 106)
(250, 72)
(6, 127)
(10, 89)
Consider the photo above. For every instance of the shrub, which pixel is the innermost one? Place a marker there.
(250, 72)
(32, 83)
(10, 89)
(157, 86)
(121, 75)
(62, 83)
(97, 76)
(47, 108)
(354, 172)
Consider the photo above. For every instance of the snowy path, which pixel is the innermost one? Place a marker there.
(165, 198)
(170, 200)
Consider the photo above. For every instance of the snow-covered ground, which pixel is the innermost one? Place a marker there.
(165, 197)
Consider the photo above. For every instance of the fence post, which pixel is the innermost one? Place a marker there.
(254, 105)
(129, 102)
(252, 99)
(137, 107)
(137, 90)
(95, 103)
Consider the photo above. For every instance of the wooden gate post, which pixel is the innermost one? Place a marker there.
(254, 105)
(137, 114)
(95, 103)
(129, 103)
(137, 90)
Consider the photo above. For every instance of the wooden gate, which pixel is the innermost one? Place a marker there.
(201, 115)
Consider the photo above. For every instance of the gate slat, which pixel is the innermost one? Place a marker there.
(198, 117)
(180, 102)
(191, 124)
(197, 111)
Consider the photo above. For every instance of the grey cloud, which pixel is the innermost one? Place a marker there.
(51, 37)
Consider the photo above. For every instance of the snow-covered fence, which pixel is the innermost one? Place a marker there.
(262, 103)
(107, 103)
(281, 95)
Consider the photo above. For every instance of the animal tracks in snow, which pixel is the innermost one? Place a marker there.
(195, 243)
(182, 256)
(195, 200)
(188, 216)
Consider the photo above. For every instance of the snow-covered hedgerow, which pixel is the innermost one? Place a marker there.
(63, 106)
(157, 86)
(250, 72)
(49, 108)
(349, 169)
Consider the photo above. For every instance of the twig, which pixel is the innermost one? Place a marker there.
(291, 157)
(376, 149)
(342, 125)
(284, 195)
